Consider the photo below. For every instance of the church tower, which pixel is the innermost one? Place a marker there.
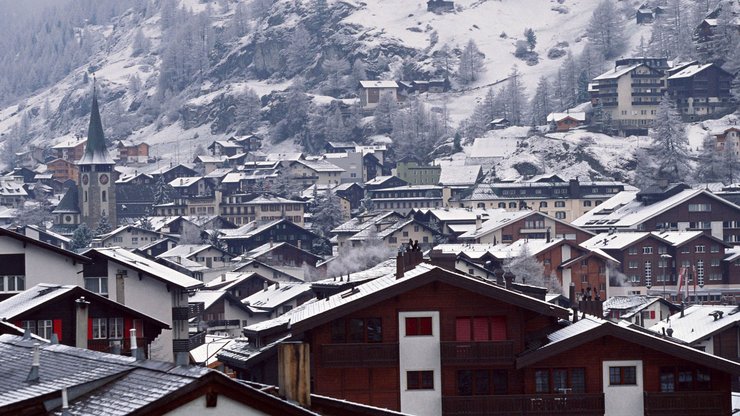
(97, 193)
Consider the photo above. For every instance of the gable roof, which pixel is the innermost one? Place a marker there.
(374, 291)
(276, 295)
(496, 220)
(459, 175)
(144, 265)
(698, 323)
(623, 210)
(591, 328)
(191, 250)
(379, 84)
(34, 298)
(616, 72)
(46, 246)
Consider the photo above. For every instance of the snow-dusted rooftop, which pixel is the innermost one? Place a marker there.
(496, 220)
(459, 175)
(555, 117)
(698, 323)
(379, 84)
(276, 295)
(616, 73)
(689, 71)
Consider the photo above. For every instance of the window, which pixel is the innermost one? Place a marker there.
(357, 330)
(714, 262)
(480, 328)
(99, 328)
(632, 264)
(512, 204)
(115, 328)
(662, 249)
(586, 203)
(542, 381)
(560, 215)
(419, 326)
(700, 249)
(104, 196)
(647, 250)
(502, 204)
(714, 248)
(559, 204)
(45, 328)
(700, 207)
(622, 376)
(420, 380)
(12, 272)
(481, 382)
(648, 270)
(667, 380)
(97, 285)
(632, 250)
(543, 204)
(29, 326)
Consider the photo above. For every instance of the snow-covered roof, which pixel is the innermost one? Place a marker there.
(379, 84)
(614, 241)
(320, 165)
(616, 72)
(207, 297)
(271, 199)
(31, 298)
(188, 250)
(496, 220)
(459, 175)
(211, 159)
(70, 142)
(689, 71)
(12, 188)
(185, 182)
(150, 267)
(205, 354)
(279, 157)
(698, 323)
(627, 302)
(458, 214)
(358, 224)
(276, 295)
(623, 210)
(579, 116)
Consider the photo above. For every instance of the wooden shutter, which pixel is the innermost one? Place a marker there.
(498, 328)
(57, 328)
(480, 329)
(462, 329)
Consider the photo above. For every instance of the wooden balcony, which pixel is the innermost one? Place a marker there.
(686, 403)
(106, 345)
(534, 404)
(359, 355)
(482, 352)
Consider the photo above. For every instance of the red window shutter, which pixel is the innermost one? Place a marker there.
(498, 328)
(19, 324)
(412, 327)
(127, 325)
(89, 328)
(462, 329)
(57, 328)
(425, 325)
(480, 329)
(652, 314)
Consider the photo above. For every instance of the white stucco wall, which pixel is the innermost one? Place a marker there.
(43, 266)
(420, 353)
(623, 400)
(224, 407)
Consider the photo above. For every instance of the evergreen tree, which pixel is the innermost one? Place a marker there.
(383, 114)
(471, 64)
(669, 146)
(606, 30)
(248, 112)
(541, 102)
(531, 38)
(710, 166)
(163, 192)
(335, 69)
(140, 44)
(81, 238)
(326, 213)
(516, 97)
(442, 61)
(456, 143)
(299, 51)
(104, 227)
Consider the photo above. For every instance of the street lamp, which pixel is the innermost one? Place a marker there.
(666, 259)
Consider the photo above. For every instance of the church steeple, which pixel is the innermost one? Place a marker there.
(95, 151)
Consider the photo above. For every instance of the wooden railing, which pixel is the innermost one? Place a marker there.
(359, 355)
(483, 352)
(106, 345)
(686, 403)
(534, 404)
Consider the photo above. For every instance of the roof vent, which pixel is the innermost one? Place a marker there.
(33, 375)
(717, 315)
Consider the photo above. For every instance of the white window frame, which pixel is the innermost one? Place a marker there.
(99, 328)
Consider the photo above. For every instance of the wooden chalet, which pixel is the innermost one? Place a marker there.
(425, 340)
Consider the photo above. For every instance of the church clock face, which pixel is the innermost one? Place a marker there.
(103, 179)
(85, 179)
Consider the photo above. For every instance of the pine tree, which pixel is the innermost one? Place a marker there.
(383, 114)
(710, 167)
(81, 238)
(140, 44)
(248, 112)
(104, 227)
(606, 30)
(299, 51)
(326, 213)
(516, 97)
(541, 102)
(456, 143)
(531, 38)
(526, 268)
(163, 192)
(669, 145)
(471, 63)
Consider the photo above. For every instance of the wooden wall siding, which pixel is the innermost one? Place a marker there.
(680, 213)
(591, 355)
(380, 386)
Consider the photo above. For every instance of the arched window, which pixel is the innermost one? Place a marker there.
(502, 204)
(543, 204)
(104, 196)
(512, 204)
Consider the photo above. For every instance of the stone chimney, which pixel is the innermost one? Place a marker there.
(509, 279)
(478, 222)
(294, 372)
(81, 322)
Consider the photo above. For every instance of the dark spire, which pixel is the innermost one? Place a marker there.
(95, 150)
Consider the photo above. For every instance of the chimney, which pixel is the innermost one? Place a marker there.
(81, 322)
(499, 274)
(136, 352)
(478, 222)
(574, 188)
(509, 279)
(33, 375)
(400, 267)
(573, 301)
(294, 372)
(669, 331)
(65, 402)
